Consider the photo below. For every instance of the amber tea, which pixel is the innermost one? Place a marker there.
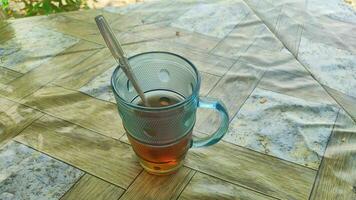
(162, 158)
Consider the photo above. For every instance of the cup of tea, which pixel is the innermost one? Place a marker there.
(161, 132)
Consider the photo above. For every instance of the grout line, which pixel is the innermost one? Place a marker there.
(219, 76)
(122, 194)
(60, 78)
(132, 182)
(59, 54)
(69, 34)
(300, 39)
(6, 25)
(186, 185)
(167, 6)
(65, 120)
(227, 35)
(238, 110)
(80, 126)
(323, 157)
(71, 188)
(275, 91)
(12, 70)
(94, 51)
(268, 155)
(277, 21)
(232, 65)
(254, 152)
(230, 182)
(121, 137)
(83, 93)
(28, 125)
(62, 53)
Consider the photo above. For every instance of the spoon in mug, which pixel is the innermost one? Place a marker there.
(119, 54)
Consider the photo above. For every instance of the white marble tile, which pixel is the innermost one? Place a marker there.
(283, 126)
(320, 34)
(337, 10)
(217, 19)
(28, 174)
(331, 66)
(33, 46)
(123, 9)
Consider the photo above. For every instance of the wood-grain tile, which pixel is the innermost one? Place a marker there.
(81, 74)
(9, 27)
(76, 28)
(46, 72)
(6, 104)
(92, 188)
(7, 75)
(32, 46)
(78, 108)
(91, 152)
(205, 187)
(14, 118)
(253, 170)
(151, 187)
(337, 174)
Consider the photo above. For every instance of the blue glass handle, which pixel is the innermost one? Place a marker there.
(215, 137)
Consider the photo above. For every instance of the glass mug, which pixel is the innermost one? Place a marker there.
(161, 134)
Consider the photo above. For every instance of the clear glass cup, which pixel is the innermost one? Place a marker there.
(162, 135)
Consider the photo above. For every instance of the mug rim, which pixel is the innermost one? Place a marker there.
(194, 94)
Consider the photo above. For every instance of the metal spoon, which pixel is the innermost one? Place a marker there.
(119, 54)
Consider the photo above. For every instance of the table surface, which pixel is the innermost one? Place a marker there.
(286, 71)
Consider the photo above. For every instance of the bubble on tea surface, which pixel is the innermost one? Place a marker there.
(164, 75)
(164, 101)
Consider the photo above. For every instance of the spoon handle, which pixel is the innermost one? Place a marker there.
(119, 54)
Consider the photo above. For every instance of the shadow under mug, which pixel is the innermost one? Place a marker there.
(161, 136)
